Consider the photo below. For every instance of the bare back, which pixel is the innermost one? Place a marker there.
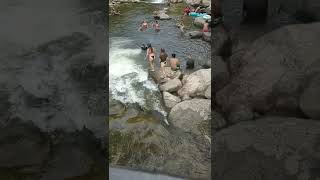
(174, 63)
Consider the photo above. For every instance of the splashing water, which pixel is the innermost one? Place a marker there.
(128, 77)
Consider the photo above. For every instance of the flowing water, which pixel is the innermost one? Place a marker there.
(139, 133)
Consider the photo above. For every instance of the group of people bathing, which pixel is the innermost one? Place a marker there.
(200, 9)
(172, 62)
(144, 26)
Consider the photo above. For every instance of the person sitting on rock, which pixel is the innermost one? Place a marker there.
(156, 26)
(205, 26)
(163, 61)
(174, 63)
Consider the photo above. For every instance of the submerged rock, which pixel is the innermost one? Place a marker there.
(161, 14)
(194, 34)
(207, 93)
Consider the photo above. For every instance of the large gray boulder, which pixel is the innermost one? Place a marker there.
(161, 14)
(188, 115)
(220, 75)
(170, 100)
(310, 99)
(276, 68)
(195, 84)
(218, 121)
(206, 36)
(164, 16)
(171, 85)
(207, 93)
(220, 39)
(270, 148)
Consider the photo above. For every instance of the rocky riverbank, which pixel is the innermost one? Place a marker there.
(266, 115)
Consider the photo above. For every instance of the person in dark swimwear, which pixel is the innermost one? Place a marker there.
(156, 26)
(163, 61)
(150, 56)
(144, 47)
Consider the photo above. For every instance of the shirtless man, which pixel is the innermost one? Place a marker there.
(143, 25)
(151, 57)
(174, 63)
(163, 61)
(156, 26)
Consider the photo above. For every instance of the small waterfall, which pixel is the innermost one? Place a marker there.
(158, 1)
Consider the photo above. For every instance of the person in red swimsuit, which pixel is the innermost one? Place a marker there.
(187, 10)
(205, 27)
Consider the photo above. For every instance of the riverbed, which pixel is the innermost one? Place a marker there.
(140, 133)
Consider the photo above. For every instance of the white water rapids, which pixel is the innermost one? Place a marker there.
(128, 77)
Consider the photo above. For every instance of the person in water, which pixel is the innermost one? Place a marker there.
(151, 57)
(156, 26)
(163, 61)
(205, 27)
(143, 25)
(174, 63)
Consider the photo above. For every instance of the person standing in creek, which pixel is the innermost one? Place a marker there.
(163, 61)
(150, 56)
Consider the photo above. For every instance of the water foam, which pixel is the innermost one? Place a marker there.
(128, 77)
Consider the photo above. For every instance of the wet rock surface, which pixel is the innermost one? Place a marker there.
(196, 83)
(265, 118)
(187, 115)
(283, 147)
